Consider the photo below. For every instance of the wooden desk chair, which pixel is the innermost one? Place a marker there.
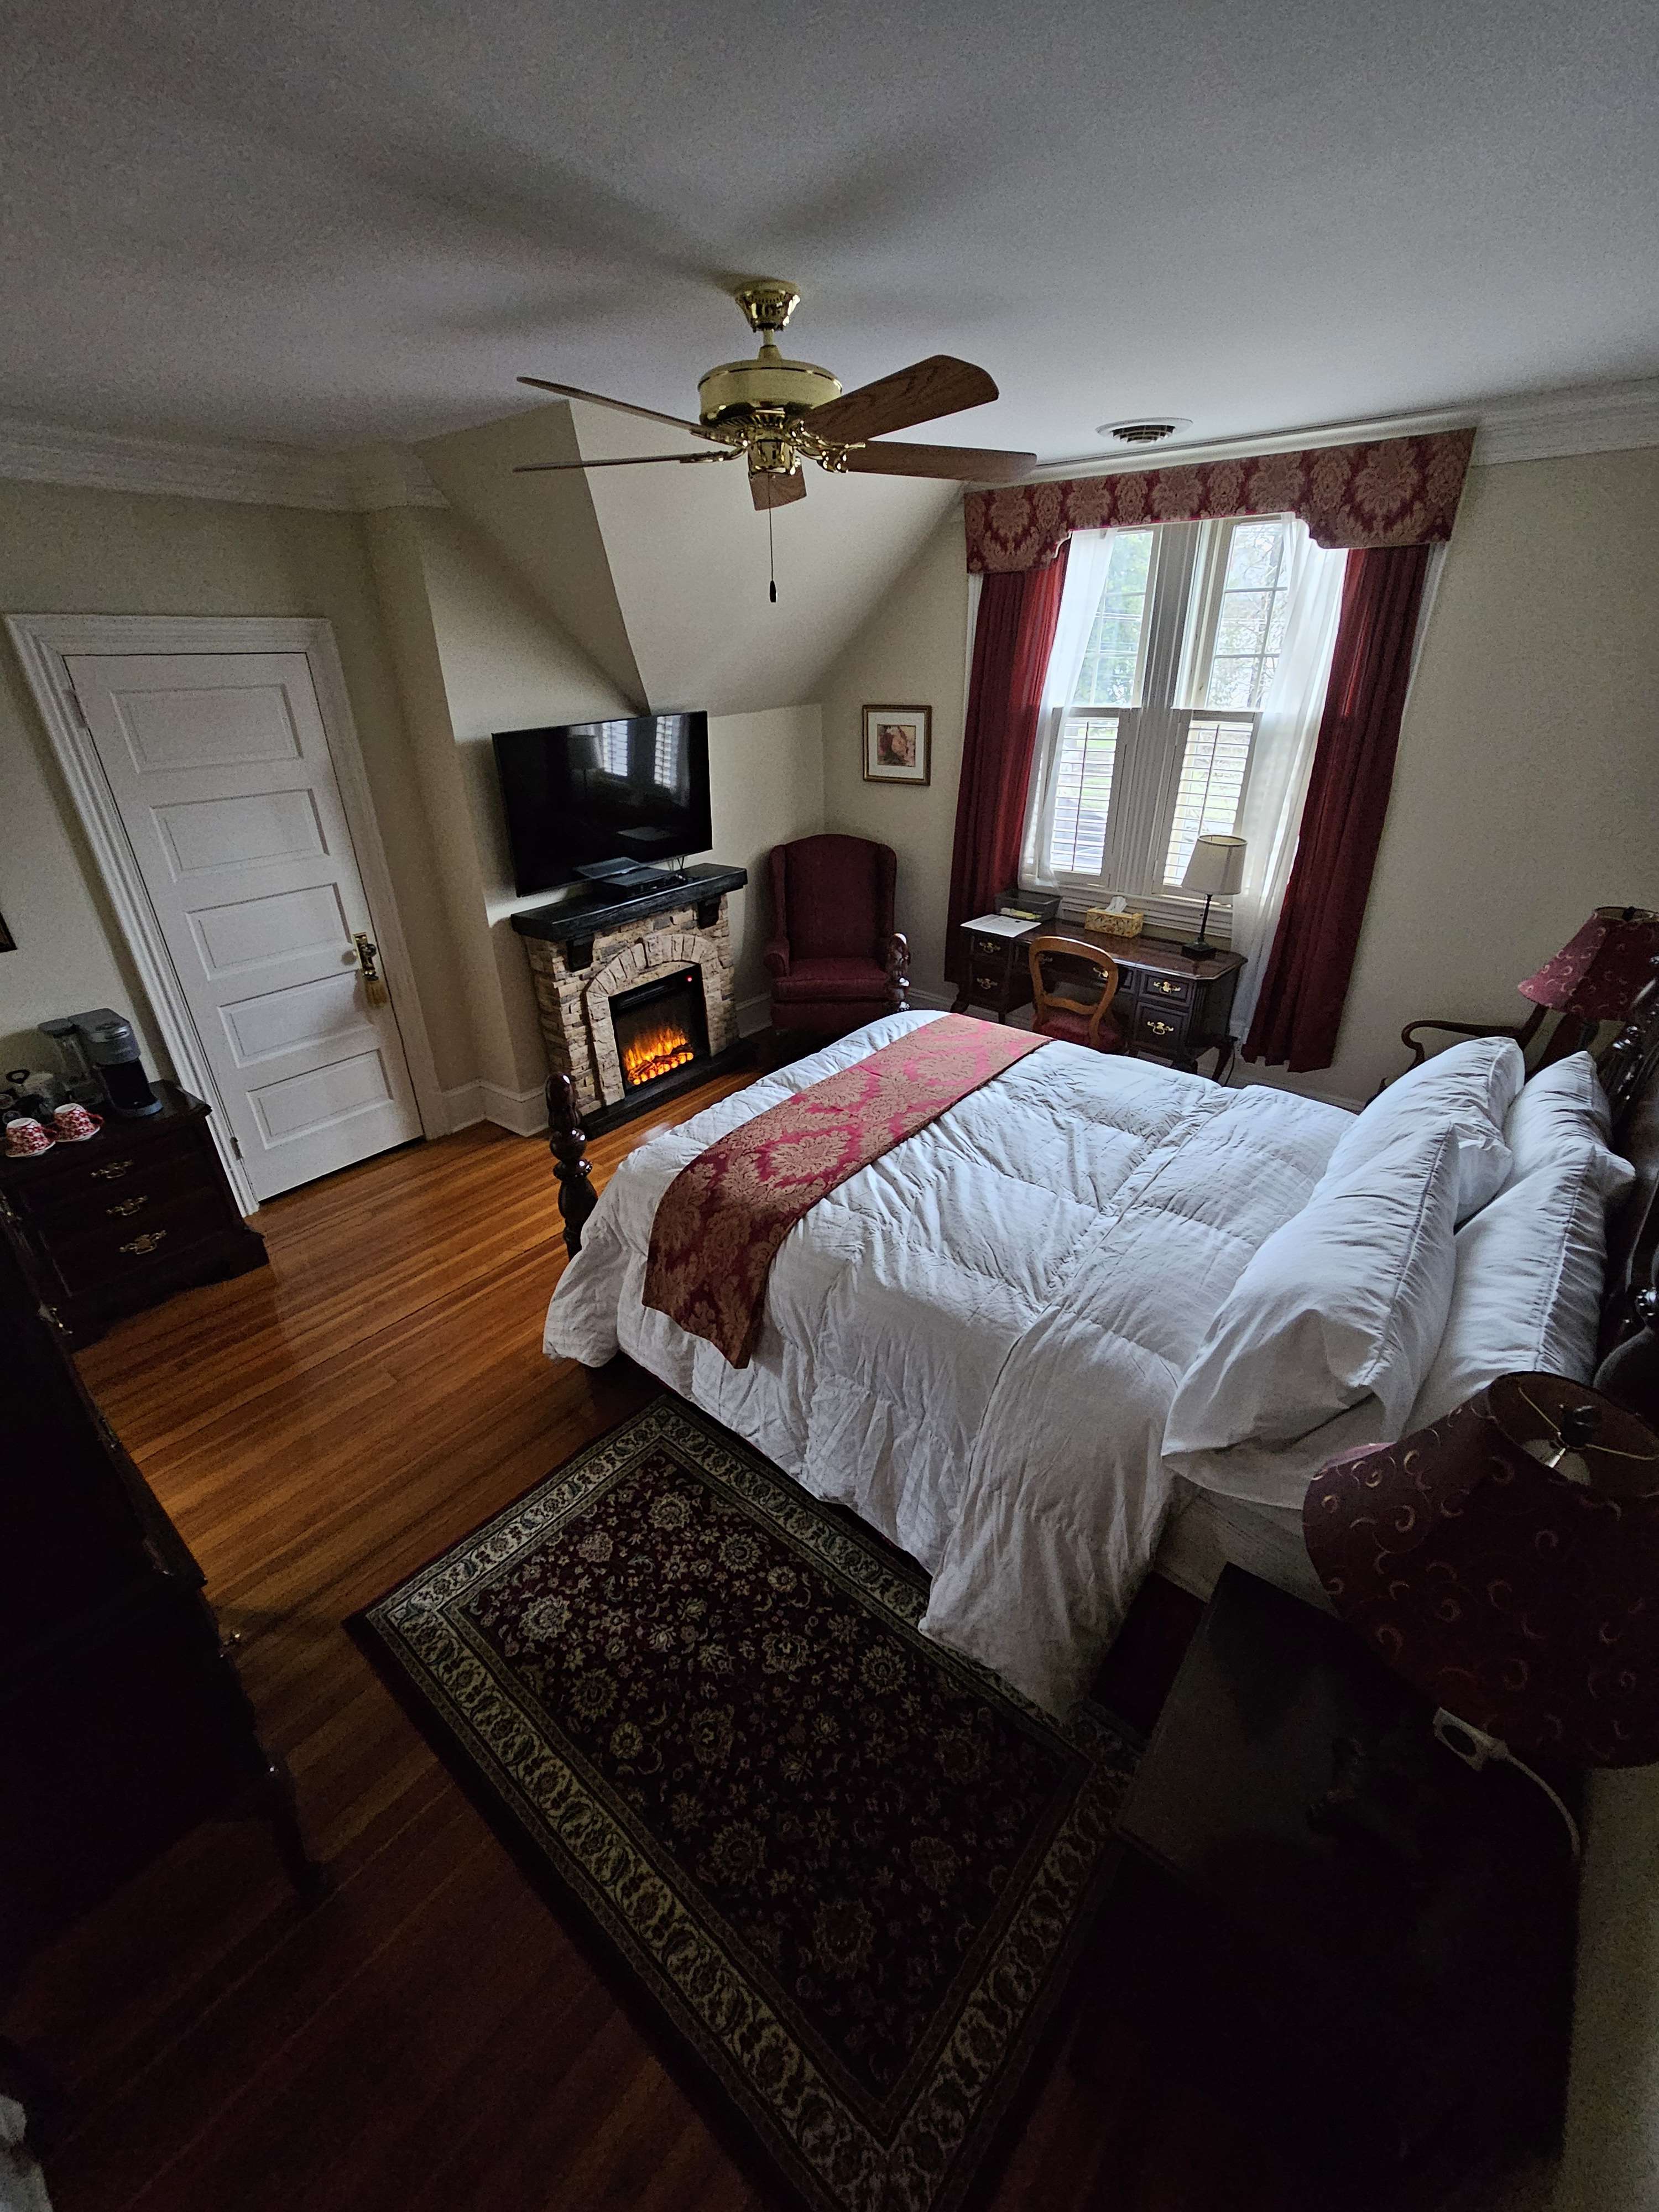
(1078, 1021)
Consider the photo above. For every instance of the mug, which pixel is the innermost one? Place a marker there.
(25, 1136)
(74, 1123)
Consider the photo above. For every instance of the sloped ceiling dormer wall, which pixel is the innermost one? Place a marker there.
(661, 573)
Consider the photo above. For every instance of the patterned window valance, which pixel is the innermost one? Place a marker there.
(1396, 491)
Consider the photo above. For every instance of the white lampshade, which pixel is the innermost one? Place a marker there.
(1217, 866)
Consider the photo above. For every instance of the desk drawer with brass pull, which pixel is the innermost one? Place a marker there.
(1172, 990)
(94, 1249)
(152, 1177)
(1161, 1031)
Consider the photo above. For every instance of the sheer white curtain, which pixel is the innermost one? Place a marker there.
(1282, 760)
(1085, 579)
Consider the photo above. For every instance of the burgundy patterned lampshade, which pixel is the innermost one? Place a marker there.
(1524, 1602)
(1600, 971)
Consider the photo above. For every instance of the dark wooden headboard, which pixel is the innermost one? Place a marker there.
(1630, 1309)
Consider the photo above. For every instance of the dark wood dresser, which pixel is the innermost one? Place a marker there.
(1168, 1006)
(122, 1718)
(139, 1210)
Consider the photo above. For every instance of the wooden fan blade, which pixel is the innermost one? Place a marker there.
(960, 463)
(622, 461)
(623, 406)
(776, 491)
(941, 384)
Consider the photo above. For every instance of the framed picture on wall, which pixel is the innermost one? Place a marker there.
(898, 745)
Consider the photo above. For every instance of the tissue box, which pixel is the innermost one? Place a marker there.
(1103, 922)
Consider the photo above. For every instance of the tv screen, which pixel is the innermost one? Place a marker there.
(595, 797)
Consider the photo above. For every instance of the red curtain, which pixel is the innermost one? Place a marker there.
(1018, 612)
(1300, 1007)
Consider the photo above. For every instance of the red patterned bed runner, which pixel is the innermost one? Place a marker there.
(722, 1218)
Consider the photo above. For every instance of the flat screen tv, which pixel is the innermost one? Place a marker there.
(603, 800)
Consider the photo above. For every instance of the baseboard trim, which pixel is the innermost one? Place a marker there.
(754, 1015)
(523, 1112)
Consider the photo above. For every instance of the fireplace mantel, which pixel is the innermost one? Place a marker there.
(578, 921)
(585, 952)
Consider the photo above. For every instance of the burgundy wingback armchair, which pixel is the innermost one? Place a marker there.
(835, 959)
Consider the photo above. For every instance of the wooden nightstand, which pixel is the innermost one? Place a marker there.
(1168, 1006)
(120, 1222)
(1386, 1984)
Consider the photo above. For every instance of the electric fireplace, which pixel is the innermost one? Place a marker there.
(659, 1029)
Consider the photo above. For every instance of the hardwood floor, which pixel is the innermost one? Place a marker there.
(428, 2038)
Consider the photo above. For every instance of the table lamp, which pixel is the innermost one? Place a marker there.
(1505, 1562)
(1217, 869)
(1596, 974)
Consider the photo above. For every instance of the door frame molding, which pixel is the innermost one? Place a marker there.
(43, 643)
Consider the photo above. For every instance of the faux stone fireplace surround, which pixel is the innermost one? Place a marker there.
(582, 955)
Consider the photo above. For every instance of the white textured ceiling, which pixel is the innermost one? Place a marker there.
(321, 224)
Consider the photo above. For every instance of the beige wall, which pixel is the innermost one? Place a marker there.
(503, 663)
(911, 652)
(1526, 790)
(766, 785)
(65, 550)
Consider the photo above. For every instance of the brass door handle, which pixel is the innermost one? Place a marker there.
(367, 953)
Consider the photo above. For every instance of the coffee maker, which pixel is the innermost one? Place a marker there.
(101, 1054)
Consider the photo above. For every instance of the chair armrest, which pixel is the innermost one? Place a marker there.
(775, 958)
(1408, 1036)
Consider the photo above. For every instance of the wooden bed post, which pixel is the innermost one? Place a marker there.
(566, 1138)
(898, 973)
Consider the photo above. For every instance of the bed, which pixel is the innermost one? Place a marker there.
(976, 1342)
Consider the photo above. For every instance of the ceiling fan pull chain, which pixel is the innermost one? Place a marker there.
(771, 561)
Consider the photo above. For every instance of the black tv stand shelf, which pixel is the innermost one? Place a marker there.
(577, 920)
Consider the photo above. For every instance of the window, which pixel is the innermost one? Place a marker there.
(1152, 747)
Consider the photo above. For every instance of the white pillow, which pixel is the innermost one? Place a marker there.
(1560, 1105)
(1469, 1088)
(1340, 1308)
(1532, 1265)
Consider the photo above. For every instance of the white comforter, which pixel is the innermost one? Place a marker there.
(974, 1342)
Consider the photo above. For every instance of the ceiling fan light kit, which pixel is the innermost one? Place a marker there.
(775, 413)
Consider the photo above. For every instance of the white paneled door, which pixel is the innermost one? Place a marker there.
(219, 765)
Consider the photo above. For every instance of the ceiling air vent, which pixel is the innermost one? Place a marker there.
(1151, 432)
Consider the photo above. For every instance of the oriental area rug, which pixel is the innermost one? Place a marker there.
(846, 1869)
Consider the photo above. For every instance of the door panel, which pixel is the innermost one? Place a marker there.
(253, 932)
(219, 764)
(200, 835)
(322, 1098)
(220, 725)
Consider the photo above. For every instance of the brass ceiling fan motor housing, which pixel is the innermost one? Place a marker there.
(768, 386)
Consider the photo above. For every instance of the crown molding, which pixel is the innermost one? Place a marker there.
(1541, 426)
(354, 482)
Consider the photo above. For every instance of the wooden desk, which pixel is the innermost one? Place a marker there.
(1169, 1007)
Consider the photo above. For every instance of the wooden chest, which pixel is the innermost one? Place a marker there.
(139, 1210)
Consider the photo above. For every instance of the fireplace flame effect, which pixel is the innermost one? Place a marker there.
(655, 1052)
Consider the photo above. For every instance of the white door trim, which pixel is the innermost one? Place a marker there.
(42, 641)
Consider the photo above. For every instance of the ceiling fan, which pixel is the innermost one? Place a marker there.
(775, 414)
